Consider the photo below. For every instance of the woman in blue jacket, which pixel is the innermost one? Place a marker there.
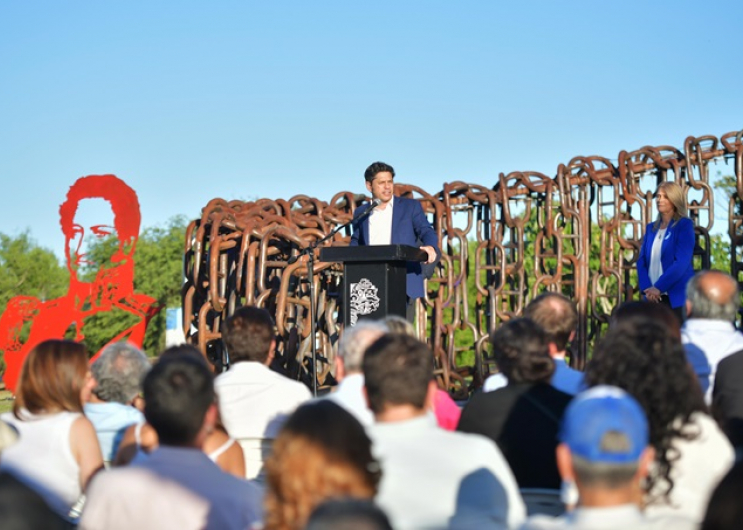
(665, 263)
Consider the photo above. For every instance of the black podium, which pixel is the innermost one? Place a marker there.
(374, 279)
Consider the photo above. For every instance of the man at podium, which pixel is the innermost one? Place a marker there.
(394, 221)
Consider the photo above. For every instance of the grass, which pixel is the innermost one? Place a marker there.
(6, 401)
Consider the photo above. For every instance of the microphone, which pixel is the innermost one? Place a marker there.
(376, 202)
(367, 213)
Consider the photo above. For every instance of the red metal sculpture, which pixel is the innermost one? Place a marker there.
(112, 289)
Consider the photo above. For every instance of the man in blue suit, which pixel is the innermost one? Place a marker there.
(395, 221)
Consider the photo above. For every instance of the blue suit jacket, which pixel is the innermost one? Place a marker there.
(675, 256)
(409, 227)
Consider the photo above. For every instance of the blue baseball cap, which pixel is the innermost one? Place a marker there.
(600, 410)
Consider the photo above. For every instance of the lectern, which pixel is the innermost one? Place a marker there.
(374, 279)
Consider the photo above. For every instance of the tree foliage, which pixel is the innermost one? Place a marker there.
(158, 273)
(30, 270)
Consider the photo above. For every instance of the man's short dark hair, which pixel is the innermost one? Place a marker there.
(377, 167)
(348, 514)
(397, 370)
(557, 316)
(521, 350)
(178, 391)
(248, 334)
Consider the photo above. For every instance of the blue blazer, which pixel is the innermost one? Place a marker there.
(409, 227)
(675, 257)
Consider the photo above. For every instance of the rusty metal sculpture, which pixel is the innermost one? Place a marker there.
(578, 232)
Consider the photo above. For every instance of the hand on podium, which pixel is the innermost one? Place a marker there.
(431, 254)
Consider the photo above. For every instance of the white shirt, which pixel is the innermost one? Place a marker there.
(432, 478)
(380, 225)
(655, 270)
(623, 517)
(254, 402)
(716, 339)
(701, 465)
(349, 394)
(44, 456)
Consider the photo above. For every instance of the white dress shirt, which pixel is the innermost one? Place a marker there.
(433, 478)
(380, 225)
(254, 402)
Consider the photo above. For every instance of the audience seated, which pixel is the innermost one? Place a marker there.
(322, 452)
(350, 390)
(558, 317)
(709, 334)
(725, 509)
(445, 409)
(431, 478)
(640, 356)
(59, 451)
(180, 405)
(112, 406)
(141, 439)
(604, 454)
(522, 418)
(253, 400)
(348, 514)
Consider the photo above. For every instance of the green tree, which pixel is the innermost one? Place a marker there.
(27, 269)
(158, 273)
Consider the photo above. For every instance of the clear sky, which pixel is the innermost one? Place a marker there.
(191, 100)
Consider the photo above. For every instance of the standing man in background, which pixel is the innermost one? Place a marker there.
(395, 221)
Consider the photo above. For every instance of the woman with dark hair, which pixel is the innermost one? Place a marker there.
(523, 417)
(665, 262)
(640, 356)
(321, 453)
(58, 448)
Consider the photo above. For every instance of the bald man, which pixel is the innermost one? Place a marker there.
(709, 334)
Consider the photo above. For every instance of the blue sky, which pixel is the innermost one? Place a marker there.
(187, 101)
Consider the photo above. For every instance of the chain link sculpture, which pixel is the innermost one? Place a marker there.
(578, 233)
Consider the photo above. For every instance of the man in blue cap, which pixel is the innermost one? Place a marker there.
(604, 455)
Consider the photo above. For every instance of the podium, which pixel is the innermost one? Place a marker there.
(374, 279)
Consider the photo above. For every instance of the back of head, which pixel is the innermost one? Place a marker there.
(644, 310)
(52, 378)
(178, 391)
(713, 295)
(397, 324)
(521, 350)
(557, 316)
(248, 335)
(606, 431)
(397, 370)
(119, 372)
(356, 340)
(348, 514)
(321, 452)
(377, 167)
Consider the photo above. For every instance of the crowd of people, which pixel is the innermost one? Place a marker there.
(645, 437)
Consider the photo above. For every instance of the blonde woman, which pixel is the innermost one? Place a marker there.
(665, 263)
